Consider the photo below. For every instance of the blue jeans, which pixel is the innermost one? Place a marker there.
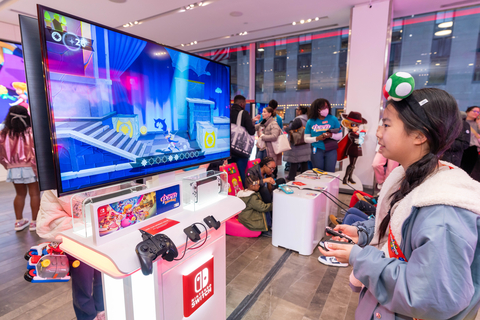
(324, 160)
(87, 291)
(241, 165)
(353, 215)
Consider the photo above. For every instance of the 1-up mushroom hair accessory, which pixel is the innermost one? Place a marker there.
(399, 86)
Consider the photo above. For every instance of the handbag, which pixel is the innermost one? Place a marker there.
(330, 144)
(281, 144)
(297, 137)
(241, 142)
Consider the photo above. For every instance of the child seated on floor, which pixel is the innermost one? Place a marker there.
(257, 214)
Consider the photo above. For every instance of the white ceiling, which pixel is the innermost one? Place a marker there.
(208, 24)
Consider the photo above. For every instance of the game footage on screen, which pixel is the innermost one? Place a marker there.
(123, 107)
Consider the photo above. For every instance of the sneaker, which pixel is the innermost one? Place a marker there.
(33, 226)
(22, 224)
(333, 219)
(331, 261)
(267, 234)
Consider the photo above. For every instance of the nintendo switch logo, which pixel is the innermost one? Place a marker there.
(197, 288)
(201, 280)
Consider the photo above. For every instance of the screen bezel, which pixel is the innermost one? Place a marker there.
(60, 192)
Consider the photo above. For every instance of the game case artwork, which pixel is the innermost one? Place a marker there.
(122, 214)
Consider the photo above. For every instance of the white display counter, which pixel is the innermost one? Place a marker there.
(193, 287)
(299, 219)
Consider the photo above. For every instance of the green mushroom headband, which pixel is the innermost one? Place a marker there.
(399, 87)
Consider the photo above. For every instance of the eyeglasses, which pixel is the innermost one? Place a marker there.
(475, 111)
(254, 183)
(271, 168)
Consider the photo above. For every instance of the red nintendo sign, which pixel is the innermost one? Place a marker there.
(159, 226)
(197, 288)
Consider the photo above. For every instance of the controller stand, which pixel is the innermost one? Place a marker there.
(128, 293)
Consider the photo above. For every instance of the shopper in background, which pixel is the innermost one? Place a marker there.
(382, 167)
(268, 132)
(17, 155)
(239, 103)
(318, 130)
(298, 154)
(272, 104)
(54, 217)
(454, 154)
(470, 155)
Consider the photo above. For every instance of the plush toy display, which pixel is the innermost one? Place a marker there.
(351, 144)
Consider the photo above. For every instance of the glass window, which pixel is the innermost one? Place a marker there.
(297, 70)
(238, 60)
(440, 50)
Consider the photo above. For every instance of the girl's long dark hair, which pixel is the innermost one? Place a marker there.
(13, 125)
(316, 106)
(444, 125)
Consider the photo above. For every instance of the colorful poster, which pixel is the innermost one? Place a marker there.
(122, 214)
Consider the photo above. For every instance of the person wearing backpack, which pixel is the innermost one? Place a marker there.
(239, 103)
(298, 154)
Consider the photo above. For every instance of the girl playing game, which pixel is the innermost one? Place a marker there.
(418, 258)
(17, 155)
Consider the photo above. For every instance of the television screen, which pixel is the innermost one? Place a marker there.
(122, 107)
(13, 89)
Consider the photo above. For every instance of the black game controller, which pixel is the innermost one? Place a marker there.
(153, 246)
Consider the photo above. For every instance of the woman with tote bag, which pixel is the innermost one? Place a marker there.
(268, 132)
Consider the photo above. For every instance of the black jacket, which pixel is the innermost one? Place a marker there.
(246, 123)
(462, 142)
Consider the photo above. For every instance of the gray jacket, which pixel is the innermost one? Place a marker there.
(301, 153)
(440, 236)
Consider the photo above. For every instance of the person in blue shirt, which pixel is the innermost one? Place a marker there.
(274, 105)
(321, 125)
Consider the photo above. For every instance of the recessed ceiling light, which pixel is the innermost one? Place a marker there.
(443, 33)
(118, 1)
(302, 21)
(294, 23)
(446, 24)
(236, 14)
(260, 49)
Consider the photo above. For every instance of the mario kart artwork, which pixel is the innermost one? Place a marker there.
(122, 214)
(48, 263)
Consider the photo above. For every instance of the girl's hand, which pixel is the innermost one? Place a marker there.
(321, 137)
(339, 251)
(349, 231)
(269, 180)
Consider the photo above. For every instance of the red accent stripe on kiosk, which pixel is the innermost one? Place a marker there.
(159, 226)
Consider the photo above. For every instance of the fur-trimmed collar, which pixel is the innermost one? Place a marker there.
(245, 193)
(451, 187)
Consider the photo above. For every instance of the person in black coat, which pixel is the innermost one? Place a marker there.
(462, 142)
(239, 103)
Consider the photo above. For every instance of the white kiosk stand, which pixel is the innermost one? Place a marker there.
(193, 287)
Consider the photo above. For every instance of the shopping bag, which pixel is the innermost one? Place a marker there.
(281, 144)
(297, 137)
(242, 142)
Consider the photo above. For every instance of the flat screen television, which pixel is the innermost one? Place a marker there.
(13, 88)
(123, 107)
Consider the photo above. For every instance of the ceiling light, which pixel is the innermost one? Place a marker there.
(260, 49)
(302, 21)
(136, 22)
(194, 42)
(183, 45)
(443, 33)
(309, 20)
(294, 23)
(182, 9)
(191, 43)
(446, 24)
(317, 18)
(200, 4)
(126, 25)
